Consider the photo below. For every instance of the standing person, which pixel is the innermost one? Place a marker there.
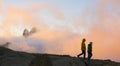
(83, 48)
(89, 50)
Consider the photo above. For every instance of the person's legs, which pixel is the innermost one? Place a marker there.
(80, 54)
(89, 55)
(84, 52)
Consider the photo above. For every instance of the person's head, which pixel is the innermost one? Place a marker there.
(91, 43)
(83, 40)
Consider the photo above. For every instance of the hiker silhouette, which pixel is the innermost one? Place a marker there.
(89, 50)
(83, 48)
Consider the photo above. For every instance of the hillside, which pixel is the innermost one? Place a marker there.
(9, 57)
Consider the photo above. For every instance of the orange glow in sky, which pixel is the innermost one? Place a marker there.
(61, 27)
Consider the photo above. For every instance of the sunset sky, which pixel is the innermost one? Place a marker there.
(60, 26)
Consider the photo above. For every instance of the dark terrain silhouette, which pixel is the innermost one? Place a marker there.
(15, 58)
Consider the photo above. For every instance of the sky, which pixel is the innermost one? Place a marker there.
(60, 25)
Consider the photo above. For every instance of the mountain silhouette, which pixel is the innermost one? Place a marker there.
(9, 57)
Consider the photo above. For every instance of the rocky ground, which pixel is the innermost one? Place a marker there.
(14, 58)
